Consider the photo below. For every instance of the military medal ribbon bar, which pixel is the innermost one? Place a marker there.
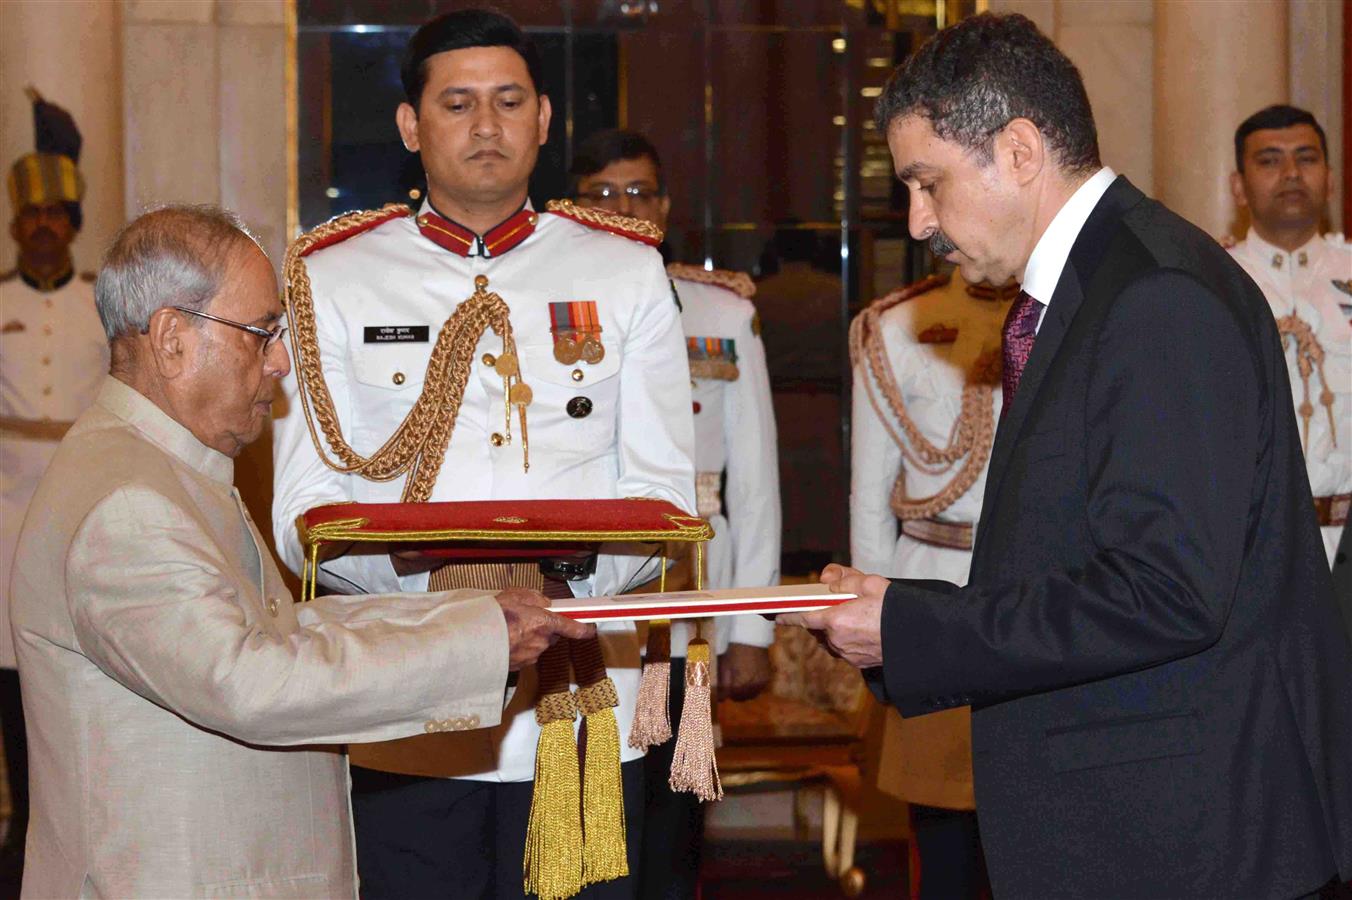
(576, 327)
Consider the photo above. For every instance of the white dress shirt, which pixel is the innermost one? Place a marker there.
(1048, 259)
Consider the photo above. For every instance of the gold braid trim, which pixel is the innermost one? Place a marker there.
(1309, 357)
(739, 283)
(972, 435)
(418, 445)
(592, 698)
(625, 226)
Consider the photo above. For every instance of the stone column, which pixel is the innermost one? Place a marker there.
(1216, 62)
(70, 52)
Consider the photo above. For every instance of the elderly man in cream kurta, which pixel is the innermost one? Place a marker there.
(175, 694)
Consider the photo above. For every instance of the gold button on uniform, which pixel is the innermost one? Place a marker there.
(47, 391)
(273, 607)
(495, 439)
(398, 378)
(577, 375)
(46, 360)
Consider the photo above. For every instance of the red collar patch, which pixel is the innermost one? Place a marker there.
(460, 240)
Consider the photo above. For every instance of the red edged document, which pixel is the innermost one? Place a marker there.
(699, 604)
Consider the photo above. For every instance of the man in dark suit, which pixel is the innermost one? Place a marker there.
(1162, 692)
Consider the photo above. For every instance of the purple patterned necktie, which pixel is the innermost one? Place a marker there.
(1016, 343)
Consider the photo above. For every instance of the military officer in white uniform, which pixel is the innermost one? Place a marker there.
(597, 344)
(53, 357)
(1283, 178)
(926, 363)
(736, 481)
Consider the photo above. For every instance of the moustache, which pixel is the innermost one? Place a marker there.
(940, 245)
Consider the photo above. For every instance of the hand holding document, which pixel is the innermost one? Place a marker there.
(700, 604)
(851, 631)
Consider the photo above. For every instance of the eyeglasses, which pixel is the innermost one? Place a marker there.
(270, 337)
(610, 194)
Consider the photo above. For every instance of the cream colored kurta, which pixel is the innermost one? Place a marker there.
(171, 686)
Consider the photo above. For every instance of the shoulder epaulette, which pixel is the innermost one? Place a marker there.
(9, 275)
(89, 277)
(739, 283)
(339, 229)
(909, 292)
(640, 230)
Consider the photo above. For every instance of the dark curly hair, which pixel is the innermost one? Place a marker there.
(973, 78)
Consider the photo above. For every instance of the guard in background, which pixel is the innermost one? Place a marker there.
(737, 478)
(53, 357)
(578, 390)
(1283, 178)
(926, 362)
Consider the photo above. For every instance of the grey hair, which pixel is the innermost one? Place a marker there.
(171, 256)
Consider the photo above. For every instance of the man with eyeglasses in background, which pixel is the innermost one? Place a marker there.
(175, 692)
(52, 357)
(736, 460)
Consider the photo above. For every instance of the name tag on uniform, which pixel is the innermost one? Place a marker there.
(396, 334)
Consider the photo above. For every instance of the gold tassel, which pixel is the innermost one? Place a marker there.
(693, 766)
(652, 719)
(552, 867)
(605, 854)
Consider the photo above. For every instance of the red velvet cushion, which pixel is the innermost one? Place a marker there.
(534, 527)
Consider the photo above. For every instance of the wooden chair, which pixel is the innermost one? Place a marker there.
(808, 729)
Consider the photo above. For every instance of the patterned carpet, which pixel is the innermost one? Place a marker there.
(746, 870)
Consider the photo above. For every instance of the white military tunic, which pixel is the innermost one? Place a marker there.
(1315, 283)
(53, 357)
(636, 439)
(926, 760)
(930, 376)
(736, 455)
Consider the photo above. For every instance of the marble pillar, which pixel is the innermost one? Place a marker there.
(1216, 62)
(1316, 73)
(204, 83)
(1111, 42)
(70, 52)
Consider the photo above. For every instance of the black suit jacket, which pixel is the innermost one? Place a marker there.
(1162, 689)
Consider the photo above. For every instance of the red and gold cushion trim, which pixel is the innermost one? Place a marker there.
(567, 522)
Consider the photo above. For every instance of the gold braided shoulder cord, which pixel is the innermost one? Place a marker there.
(970, 439)
(1309, 358)
(418, 445)
(739, 283)
(639, 228)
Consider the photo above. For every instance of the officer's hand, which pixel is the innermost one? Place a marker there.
(743, 671)
(532, 628)
(414, 562)
(852, 630)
